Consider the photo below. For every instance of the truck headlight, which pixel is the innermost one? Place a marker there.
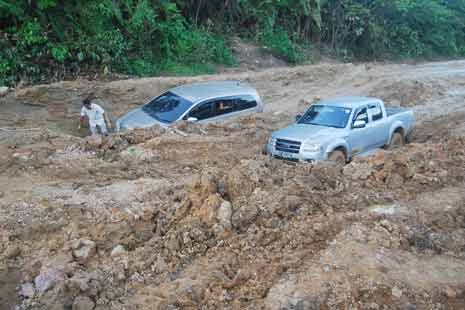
(311, 147)
(272, 141)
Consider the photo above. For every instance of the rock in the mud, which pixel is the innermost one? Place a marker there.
(83, 250)
(79, 281)
(244, 216)
(358, 171)
(136, 153)
(83, 303)
(27, 290)
(450, 292)
(238, 184)
(209, 208)
(287, 205)
(173, 243)
(118, 250)
(47, 280)
(327, 172)
(3, 91)
(159, 266)
(224, 214)
(94, 140)
(394, 180)
(396, 292)
(208, 182)
(113, 141)
(138, 135)
(13, 251)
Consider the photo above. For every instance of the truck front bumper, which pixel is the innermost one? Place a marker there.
(297, 157)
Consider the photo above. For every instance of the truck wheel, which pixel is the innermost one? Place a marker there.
(397, 141)
(264, 150)
(338, 157)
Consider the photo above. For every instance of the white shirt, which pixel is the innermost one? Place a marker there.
(95, 114)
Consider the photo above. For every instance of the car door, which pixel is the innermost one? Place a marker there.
(233, 106)
(202, 112)
(223, 108)
(245, 104)
(359, 138)
(212, 110)
(378, 126)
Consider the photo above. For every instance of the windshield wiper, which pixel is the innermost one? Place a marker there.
(322, 125)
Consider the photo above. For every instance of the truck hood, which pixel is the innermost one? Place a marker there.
(137, 119)
(304, 133)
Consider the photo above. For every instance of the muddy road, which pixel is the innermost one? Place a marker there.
(432, 90)
(154, 219)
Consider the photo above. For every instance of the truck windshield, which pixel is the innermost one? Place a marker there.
(167, 108)
(323, 115)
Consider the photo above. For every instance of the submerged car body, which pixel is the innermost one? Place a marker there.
(350, 125)
(199, 102)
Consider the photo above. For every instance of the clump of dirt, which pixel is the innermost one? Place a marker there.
(232, 236)
(252, 57)
(408, 93)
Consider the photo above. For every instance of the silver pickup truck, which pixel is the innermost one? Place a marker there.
(340, 128)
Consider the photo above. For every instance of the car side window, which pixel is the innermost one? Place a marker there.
(361, 115)
(245, 102)
(375, 111)
(223, 106)
(202, 111)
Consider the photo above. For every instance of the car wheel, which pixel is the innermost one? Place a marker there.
(338, 157)
(397, 141)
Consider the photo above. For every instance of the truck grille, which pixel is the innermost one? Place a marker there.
(288, 146)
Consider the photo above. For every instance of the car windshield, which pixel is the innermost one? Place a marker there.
(167, 108)
(323, 115)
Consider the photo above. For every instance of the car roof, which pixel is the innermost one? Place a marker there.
(348, 102)
(201, 91)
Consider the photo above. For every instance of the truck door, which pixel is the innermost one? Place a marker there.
(360, 138)
(378, 125)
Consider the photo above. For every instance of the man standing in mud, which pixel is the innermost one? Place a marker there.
(96, 116)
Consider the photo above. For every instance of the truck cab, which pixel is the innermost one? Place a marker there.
(341, 128)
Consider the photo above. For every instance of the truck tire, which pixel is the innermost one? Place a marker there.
(338, 157)
(397, 140)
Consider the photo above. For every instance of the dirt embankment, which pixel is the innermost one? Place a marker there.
(155, 219)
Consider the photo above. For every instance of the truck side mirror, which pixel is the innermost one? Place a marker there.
(297, 117)
(359, 124)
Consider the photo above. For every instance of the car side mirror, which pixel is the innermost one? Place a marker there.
(359, 124)
(297, 117)
(192, 119)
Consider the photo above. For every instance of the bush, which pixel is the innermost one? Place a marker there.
(136, 37)
(149, 37)
(282, 46)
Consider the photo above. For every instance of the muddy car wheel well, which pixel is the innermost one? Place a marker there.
(399, 130)
(334, 154)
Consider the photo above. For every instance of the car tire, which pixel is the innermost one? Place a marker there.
(397, 140)
(338, 157)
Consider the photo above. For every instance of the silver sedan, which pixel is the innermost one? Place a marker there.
(200, 102)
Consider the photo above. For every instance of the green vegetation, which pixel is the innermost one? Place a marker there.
(44, 39)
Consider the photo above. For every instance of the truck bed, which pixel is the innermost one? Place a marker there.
(394, 110)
